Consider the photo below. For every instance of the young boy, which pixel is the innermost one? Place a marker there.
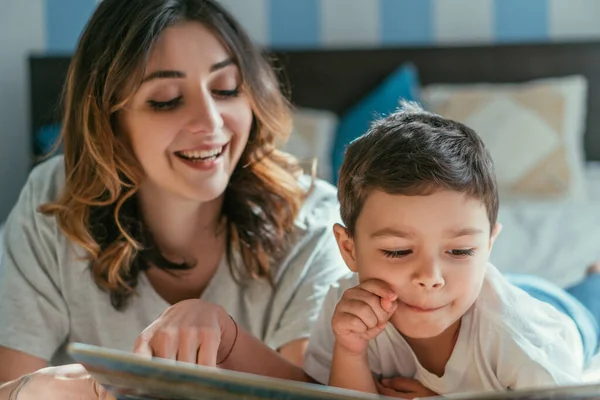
(419, 203)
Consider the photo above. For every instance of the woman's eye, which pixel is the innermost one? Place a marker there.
(395, 253)
(461, 253)
(227, 93)
(165, 105)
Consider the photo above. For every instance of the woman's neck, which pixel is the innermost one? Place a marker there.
(180, 227)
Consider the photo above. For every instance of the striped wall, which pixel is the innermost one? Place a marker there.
(364, 23)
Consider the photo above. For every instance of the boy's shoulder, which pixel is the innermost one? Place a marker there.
(347, 281)
(510, 318)
(505, 300)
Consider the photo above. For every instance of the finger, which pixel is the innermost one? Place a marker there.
(188, 345)
(379, 288)
(389, 306)
(375, 302)
(209, 348)
(350, 323)
(360, 309)
(165, 343)
(392, 393)
(402, 384)
(142, 347)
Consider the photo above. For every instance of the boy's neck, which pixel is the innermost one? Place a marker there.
(433, 353)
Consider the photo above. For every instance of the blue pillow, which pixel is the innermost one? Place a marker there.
(403, 83)
(46, 137)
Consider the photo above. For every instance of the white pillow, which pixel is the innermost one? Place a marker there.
(312, 139)
(533, 130)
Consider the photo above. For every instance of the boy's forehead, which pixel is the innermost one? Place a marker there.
(439, 210)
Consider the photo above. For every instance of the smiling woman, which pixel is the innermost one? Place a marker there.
(171, 191)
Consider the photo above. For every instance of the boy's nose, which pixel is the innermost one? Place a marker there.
(428, 276)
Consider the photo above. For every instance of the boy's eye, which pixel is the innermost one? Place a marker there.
(395, 253)
(165, 105)
(461, 253)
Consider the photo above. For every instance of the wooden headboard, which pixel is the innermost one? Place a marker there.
(336, 79)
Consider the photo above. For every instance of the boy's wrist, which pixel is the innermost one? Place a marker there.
(342, 351)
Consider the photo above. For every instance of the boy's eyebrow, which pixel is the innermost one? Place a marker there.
(454, 233)
(392, 232)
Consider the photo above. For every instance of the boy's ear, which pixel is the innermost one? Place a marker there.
(346, 245)
(495, 232)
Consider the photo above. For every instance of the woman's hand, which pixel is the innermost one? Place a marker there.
(193, 331)
(67, 382)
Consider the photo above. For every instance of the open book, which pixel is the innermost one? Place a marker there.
(130, 377)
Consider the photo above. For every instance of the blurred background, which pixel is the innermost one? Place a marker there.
(53, 26)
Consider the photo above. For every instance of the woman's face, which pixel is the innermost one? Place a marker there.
(189, 121)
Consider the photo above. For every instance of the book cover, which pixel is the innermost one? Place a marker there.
(132, 377)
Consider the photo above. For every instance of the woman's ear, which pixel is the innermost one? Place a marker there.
(346, 244)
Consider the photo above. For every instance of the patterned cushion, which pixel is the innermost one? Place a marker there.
(312, 138)
(534, 132)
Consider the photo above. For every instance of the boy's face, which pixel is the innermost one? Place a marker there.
(432, 250)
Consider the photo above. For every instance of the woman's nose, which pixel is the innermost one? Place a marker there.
(205, 116)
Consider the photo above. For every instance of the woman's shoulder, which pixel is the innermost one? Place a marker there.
(46, 180)
(320, 208)
(44, 184)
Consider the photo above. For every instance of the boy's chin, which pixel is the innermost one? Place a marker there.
(421, 330)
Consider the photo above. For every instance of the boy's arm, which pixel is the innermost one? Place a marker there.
(351, 371)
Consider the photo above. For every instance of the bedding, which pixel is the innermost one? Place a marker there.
(533, 130)
(592, 181)
(312, 139)
(403, 83)
(557, 240)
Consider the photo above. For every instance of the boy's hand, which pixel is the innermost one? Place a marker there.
(404, 388)
(362, 314)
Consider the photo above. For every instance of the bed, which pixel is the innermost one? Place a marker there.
(555, 238)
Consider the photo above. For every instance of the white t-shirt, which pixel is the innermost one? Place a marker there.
(48, 297)
(507, 340)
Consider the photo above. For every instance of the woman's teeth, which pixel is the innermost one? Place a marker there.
(201, 155)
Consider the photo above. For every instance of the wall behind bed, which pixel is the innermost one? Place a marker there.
(53, 26)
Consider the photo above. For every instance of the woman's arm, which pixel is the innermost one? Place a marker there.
(249, 354)
(294, 351)
(16, 364)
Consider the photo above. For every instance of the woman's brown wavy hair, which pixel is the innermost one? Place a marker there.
(98, 208)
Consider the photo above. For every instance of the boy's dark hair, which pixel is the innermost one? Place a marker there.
(414, 152)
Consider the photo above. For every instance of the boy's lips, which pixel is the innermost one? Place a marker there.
(421, 308)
